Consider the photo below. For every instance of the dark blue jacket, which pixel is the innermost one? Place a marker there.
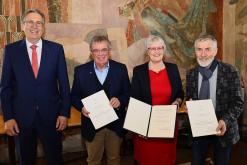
(86, 83)
(23, 95)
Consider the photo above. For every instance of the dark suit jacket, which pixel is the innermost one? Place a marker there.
(85, 83)
(229, 103)
(23, 96)
(140, 85)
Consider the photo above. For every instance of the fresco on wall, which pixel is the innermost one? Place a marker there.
(177, 22)
(241, 50)
(126, 22)
(241, 39)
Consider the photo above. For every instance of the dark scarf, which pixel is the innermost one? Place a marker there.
(206, 75)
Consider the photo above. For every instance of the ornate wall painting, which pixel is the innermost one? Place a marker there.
(241, 50)
(178, 22)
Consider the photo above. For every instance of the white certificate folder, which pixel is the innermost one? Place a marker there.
(151, 121)
(202, 117)
(101, 112)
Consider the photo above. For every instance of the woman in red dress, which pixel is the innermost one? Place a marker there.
(156, 83)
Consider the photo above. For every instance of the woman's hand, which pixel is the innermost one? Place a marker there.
(177, 102)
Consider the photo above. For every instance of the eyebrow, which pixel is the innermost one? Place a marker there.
(204, 48)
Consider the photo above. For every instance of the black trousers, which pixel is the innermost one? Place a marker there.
(50, 138)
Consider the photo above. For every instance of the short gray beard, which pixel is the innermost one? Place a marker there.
(205, 64)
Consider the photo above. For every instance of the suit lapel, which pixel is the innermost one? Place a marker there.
(109, 78)
(24, 59)
(146, 80)
(92, 75)
(194, 82)
(220, 81)
(44, 58)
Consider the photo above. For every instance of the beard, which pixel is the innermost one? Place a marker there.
(205, 62)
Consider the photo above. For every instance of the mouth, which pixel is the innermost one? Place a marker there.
(102, 58)
(34, 32)
(203, 59)
(157, 55)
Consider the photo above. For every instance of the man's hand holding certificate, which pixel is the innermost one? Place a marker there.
(202, 117)
(101, 112)
(150, 121)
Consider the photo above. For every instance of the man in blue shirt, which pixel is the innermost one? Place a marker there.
(102, 74)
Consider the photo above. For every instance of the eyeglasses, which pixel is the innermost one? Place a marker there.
(102, 51)
(32, 23)
(156, 48)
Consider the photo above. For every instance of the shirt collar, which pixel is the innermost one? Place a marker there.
(107, 65)
(38, 44)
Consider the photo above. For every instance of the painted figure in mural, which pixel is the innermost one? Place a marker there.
(213, 79)
(177, 22)
(157, 83)
(35, 91)
(101, 73)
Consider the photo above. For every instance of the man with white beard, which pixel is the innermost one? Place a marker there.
(220, 82)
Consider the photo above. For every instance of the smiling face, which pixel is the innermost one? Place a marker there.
(33, 27)
(205, 52)
(156, 51)
(100, 53)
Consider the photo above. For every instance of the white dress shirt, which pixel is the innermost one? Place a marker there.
(38, 50)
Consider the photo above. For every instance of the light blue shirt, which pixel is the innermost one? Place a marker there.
(101, 73)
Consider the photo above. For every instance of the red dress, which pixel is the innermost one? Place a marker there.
(157, 151)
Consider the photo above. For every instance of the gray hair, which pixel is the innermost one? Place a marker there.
(152, 39)
(23, 17)
(205, 37)
(100, 38)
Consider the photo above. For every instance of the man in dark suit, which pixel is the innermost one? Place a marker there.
(102, 74)
(220, 82)
(35, 91)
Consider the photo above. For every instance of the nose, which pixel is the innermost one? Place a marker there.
(205, 53)
(202, 53)
(100, 53)
(156, 50)
(35, 25)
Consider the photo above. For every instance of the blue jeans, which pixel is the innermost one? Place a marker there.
(200, 147)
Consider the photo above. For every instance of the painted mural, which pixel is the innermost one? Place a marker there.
(241, 36)
(241, 50)
(126, 22)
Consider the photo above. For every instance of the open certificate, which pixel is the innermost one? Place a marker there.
(101, 112)
(151, 121)
(202, 117)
